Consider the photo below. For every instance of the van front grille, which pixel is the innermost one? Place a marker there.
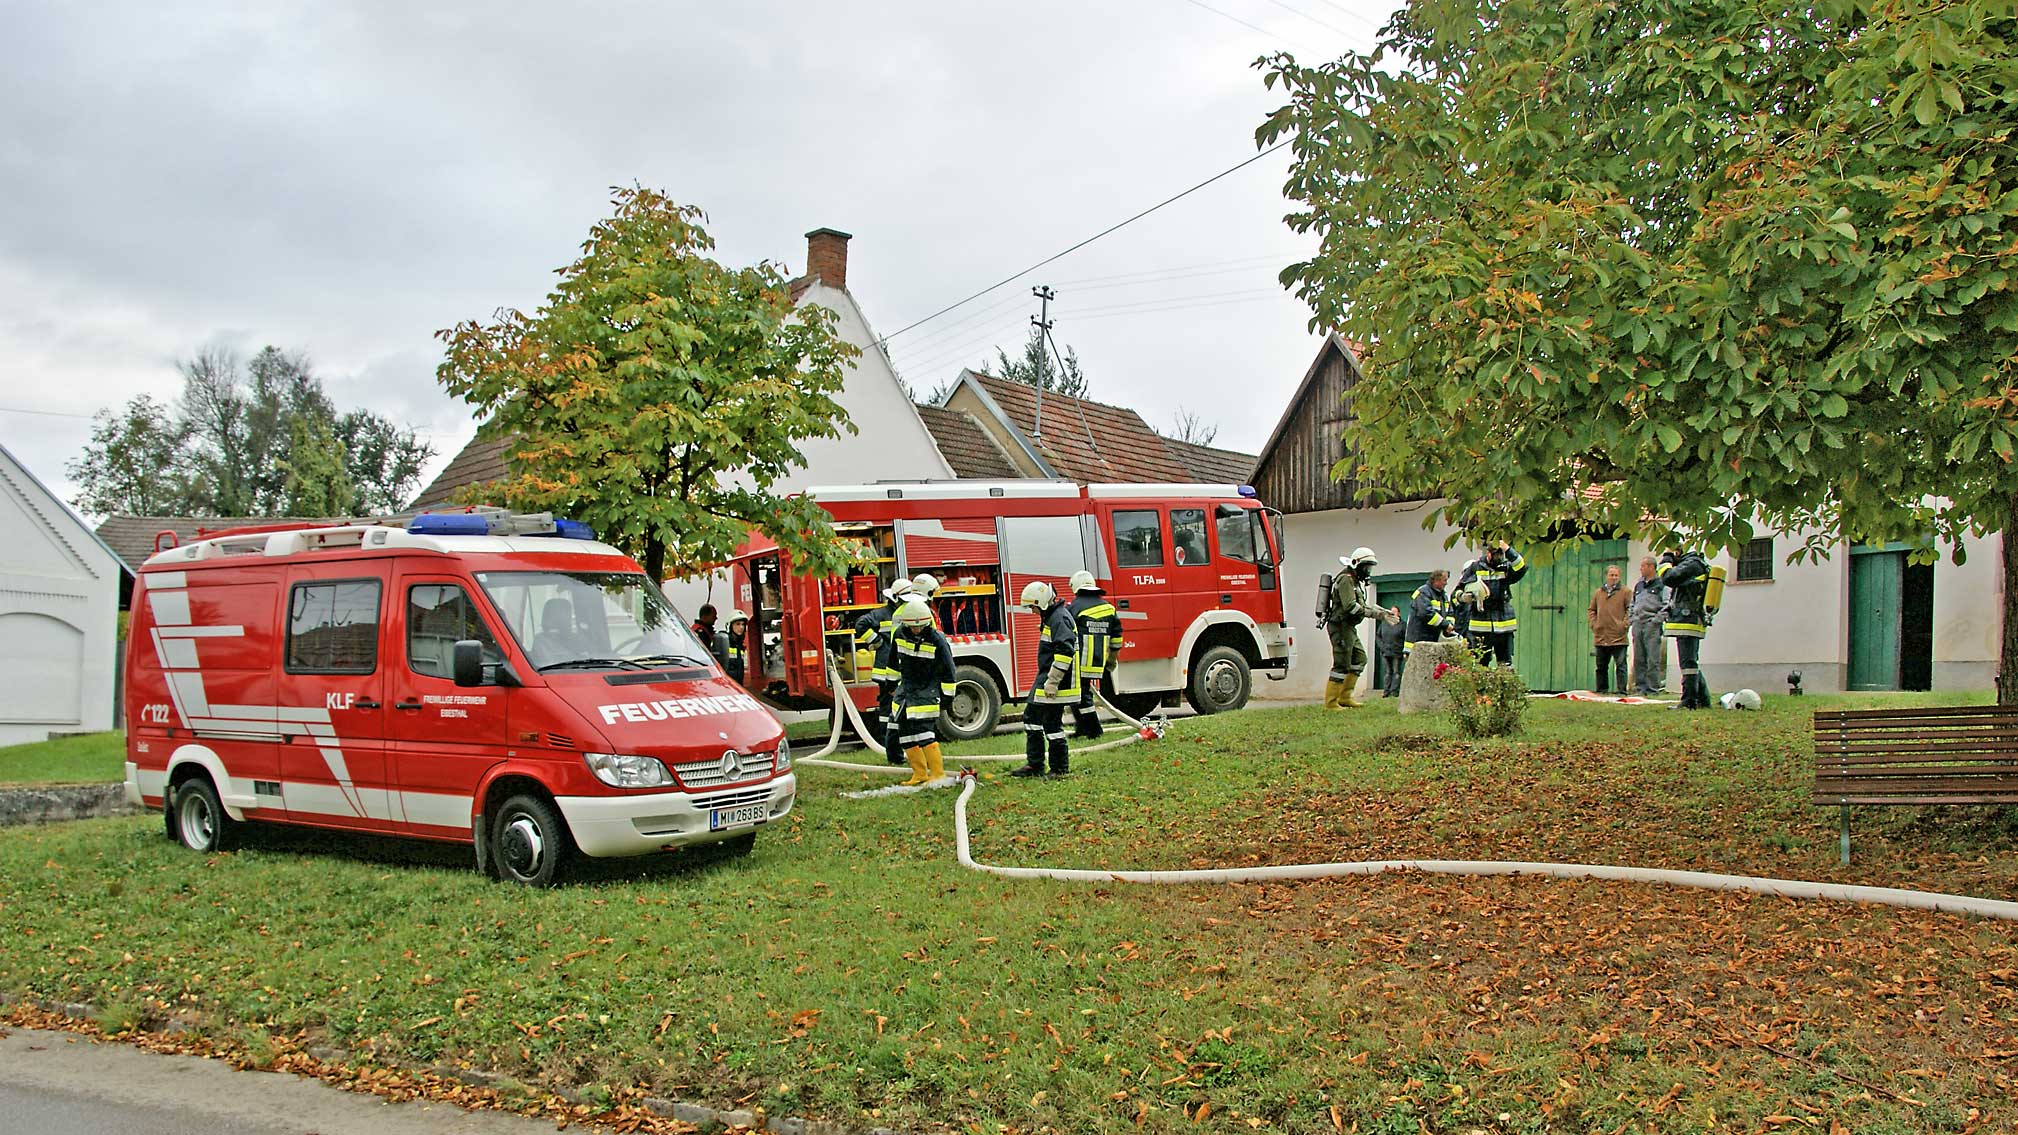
(708, 774)
(735, 799)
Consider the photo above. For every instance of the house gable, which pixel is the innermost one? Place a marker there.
(1293, 472)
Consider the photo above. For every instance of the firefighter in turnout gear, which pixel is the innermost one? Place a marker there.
(1686, 575)
(733, 645)
(1054, 686)
(1099, 626)
(1350, 602)
(1492, 620)
(873, 632)
(923, 661)
(1429, 613)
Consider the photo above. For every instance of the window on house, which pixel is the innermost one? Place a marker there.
(332, 628)
(1138, 539)
(1755, 561)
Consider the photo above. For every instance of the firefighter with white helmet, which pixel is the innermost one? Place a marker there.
(1099, 626)
(1348, 602)
(925, 585)
(923, 661)
(732, 644)
(1488, 581)
(873, 631)
(1054, 686)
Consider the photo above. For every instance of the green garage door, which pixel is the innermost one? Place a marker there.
(1553, 648)
(1877, 579)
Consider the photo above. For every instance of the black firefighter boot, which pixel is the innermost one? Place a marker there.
(1086, 723)
(1033, 751)
(1061, 756)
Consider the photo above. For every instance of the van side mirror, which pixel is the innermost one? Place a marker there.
(467, 663)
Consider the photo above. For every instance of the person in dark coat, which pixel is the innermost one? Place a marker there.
(1687, 576)
(923, 661)
(1391, 640)
(873, 632)
(1054, 686)
(1493, 621)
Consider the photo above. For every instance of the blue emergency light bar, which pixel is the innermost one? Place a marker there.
(1247, 491)
(498, 522)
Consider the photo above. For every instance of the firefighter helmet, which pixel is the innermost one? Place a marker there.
(1083, 581)
(1359, 556)
(1039, 594)
(1478, 590)
(914, 612)
(738, 617)
(1740, 699)
(896, 591)
(925, 583)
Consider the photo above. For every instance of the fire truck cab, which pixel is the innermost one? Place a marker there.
(496, 679)
(1194, 570)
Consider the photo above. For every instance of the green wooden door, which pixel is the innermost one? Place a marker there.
(1552, 649)
(1877, 580)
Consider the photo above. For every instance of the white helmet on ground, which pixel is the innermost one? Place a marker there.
(898, 590)
(1083, 581)
(1360, 555)
(1740, 699)
(925, 583)
(914, 612)
(1038, 594)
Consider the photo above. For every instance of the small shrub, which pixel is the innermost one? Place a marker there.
(1484, 701)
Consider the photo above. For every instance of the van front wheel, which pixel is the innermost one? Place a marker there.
(530, 842)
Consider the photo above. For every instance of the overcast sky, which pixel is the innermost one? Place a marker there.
(347, 178)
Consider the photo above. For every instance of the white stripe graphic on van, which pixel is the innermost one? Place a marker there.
(175, 638)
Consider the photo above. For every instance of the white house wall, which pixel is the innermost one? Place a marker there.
(59, 615)
(1798, 620)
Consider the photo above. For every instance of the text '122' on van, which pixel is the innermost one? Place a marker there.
(497, 679)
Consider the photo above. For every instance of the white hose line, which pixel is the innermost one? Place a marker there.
(1785, 888)
(845, 704)
(834, 737)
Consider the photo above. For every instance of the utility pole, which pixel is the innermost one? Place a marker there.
(1041, 321)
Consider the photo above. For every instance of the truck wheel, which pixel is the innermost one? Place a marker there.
(529, 842)
(1136, 706)
(975, 707)
(199, 818)
(1220, 681)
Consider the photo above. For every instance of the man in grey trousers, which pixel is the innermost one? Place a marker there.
(1648, 610)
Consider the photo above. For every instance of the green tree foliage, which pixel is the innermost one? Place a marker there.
(660, 396)
(1037, 367)
(244, 440)
(1739, 263)
(137, 462)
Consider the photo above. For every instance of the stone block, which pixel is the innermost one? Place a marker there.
(1420, 693)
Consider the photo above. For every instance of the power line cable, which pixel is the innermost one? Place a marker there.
(1371, 23)
(1314, 19)
(43, 413)
(1171, 268)
(1238, 20)
(1089, 240)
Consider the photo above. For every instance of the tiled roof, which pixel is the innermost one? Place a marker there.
(967, 447)
(1212, 466)
(483, 459)
(131, 538)
(1086, 441)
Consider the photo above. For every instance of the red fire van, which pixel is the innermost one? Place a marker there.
(480, 676)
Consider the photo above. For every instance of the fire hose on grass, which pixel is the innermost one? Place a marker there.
(1702, 880)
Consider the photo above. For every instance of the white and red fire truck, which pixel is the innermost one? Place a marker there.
(1194, 569)
(495, 679)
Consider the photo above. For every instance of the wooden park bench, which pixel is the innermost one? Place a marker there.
(1948, 755)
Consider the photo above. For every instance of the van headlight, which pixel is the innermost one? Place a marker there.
(784, 754)
(619, 771)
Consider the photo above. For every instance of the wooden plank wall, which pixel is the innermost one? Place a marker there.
(1296, 477)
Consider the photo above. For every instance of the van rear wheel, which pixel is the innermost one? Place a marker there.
(530, 842)
(199, 819)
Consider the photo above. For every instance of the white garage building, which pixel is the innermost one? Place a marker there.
(59, 614)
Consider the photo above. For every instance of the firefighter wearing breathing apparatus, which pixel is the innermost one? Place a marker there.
(1695, 591)
(1054, 686)
(923, 661)
(1348, 602)
(873, 632)
(1493, 622)
(1099, 626)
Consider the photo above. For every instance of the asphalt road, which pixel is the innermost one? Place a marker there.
(54, 1083)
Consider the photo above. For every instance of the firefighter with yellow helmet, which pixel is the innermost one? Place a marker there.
(1054, 686)
(923, 661)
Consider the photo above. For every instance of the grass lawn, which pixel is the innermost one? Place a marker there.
(848, 969)
(90, 758)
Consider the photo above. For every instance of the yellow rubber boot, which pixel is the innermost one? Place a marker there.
(1345, 688)
(915, 757)
(935, 762)
(1332, 688)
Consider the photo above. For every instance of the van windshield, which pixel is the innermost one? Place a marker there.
(592, 620)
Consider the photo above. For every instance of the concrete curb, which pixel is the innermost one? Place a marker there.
(708, 1119)
(54, 803)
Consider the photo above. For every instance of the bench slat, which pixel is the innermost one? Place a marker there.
(1924, 725)
(1927, 711)
(1933, 750)
(1866, 798)
(1904, 783)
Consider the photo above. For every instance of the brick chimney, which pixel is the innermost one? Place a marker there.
(827, 257)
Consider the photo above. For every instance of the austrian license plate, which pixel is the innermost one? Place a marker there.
(722, 819)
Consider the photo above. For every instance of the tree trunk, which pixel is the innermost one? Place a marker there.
(655, 559)
(2007, 655)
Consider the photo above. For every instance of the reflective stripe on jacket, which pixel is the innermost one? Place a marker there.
(924, 667)
(1496, 614)
(1057, 648)
(1429, 616)
(873, 631)
(1099, 625)
(1686, 579)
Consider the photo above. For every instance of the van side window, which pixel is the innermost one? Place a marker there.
(1187, 533)
(1138, 539)
(438, 615)
(332, 628)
